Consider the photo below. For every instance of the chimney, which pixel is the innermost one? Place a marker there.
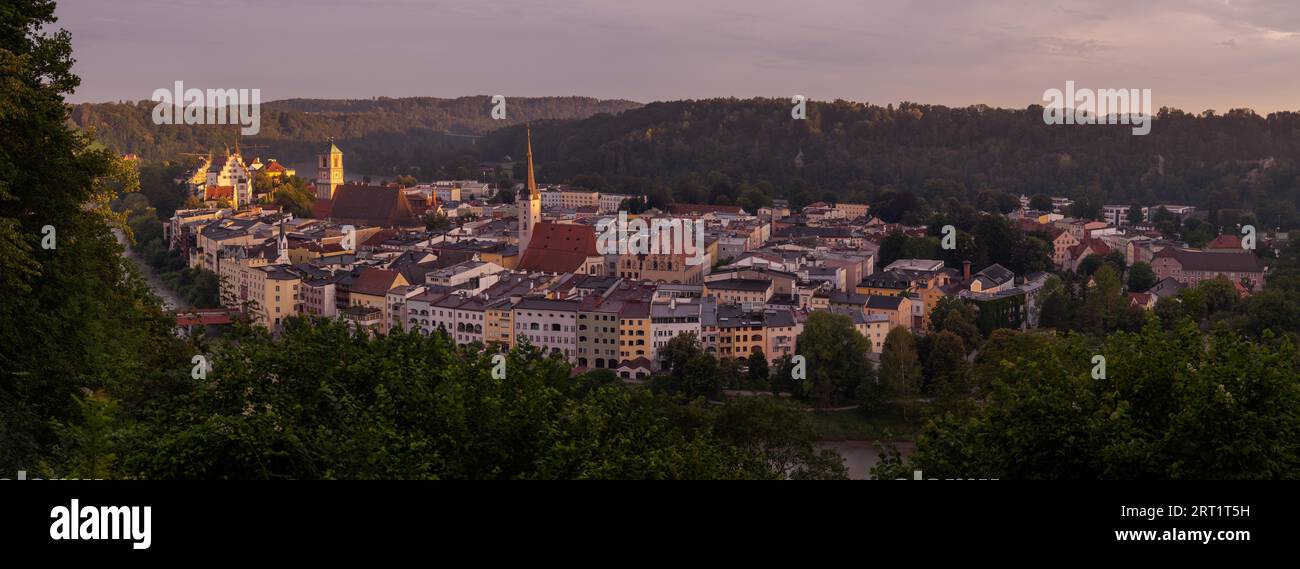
(965, 270)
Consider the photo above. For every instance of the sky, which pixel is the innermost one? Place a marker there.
(1192, 54)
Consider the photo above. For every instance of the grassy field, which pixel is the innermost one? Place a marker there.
(885, 424)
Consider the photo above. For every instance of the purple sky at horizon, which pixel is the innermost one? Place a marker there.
(1192, 54)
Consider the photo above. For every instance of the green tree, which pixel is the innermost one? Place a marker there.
(405, 181)
(323, 401)
(948, 372)
(758, 368)
(1104, 301)
(1141, 277)
(1056, 305)
(1173, 405)
(295, 195)
(950, 314)
(1090, 264)
(783, 432)
(1135, 214)
(835, 356)
(504, 195)
(75, 314)
(691, 371)
(1041, 202)
(436, 222)
(900, 368)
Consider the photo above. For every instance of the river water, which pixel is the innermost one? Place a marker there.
(860, 456)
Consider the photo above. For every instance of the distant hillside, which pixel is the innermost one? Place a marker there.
(724, 150)
(381, 136)
(906, 160)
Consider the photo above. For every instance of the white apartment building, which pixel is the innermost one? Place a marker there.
(548, 324)
(676, 317)
(570, 198)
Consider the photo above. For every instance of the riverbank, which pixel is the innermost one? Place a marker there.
(171, 300)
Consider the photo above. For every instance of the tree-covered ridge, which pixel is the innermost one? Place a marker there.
(857, 152)
(380, 135)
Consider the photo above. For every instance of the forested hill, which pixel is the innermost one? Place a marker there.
(907, 160)
(710, 149)
(382, 136)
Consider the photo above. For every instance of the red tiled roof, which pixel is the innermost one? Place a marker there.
(1095, 247)
(383, 206)
(558, 248)
(374, 282)
(1225, 241)
(320, 209)
(218, 192)
(380, 236)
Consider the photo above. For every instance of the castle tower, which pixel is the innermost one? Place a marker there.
(329, 172)
(529, 206)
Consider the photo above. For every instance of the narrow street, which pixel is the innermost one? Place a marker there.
(171, 301)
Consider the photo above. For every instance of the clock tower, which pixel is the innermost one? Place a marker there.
(329, 172)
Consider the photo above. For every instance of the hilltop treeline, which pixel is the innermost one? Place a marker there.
(382, 136)
(924, 155)
(910, 159)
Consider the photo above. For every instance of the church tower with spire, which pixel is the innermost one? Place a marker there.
(329, 172)
(530, 205)
(282, 247)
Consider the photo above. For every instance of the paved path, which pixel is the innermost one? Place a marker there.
(171, 300)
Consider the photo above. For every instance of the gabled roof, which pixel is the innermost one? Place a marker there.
(218, 192)
(380, 206)
(1225, 241)
(1169, 286)
(634, 364)
(994, 275)
(374, 282)
(884, 302)
(1087, 247)
(559, 248)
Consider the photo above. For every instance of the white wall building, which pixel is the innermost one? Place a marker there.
(548, 324)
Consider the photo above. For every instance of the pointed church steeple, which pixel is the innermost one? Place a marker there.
(532, 180)
(282, 247)
(529, 206)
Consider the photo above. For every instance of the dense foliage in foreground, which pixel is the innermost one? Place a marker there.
(323, 402)
(1168, 405)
